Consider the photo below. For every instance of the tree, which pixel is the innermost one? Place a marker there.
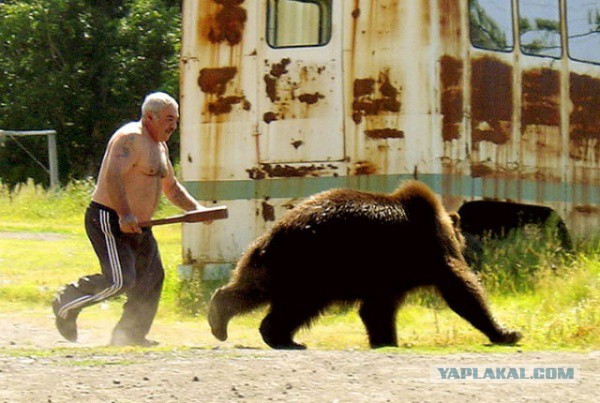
(485, 31)
(540, 38)
(82, 68)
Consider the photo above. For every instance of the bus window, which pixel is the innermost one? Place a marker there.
(491, 24)
(583, 30)
(298, 23)
(539, 28)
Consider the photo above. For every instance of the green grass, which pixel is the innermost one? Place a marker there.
(551, 297)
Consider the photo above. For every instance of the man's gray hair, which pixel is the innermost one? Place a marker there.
(156, 102)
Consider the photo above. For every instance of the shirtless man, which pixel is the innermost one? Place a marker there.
(134, 171)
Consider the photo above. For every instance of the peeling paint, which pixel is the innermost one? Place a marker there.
(297, 144)
(228, 23)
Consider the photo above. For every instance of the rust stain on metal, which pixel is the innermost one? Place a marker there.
(256, 173)
(480, 170)
(498, 132)
(365, 168)
(271, 88)
(268, 211)
(362, 87)
(540, 102)
(269, 117)
(586, 209)
(386, 133)
(387, 89)
(279, 69)
(297, 90)
(214, 80)
(356, 13)
(368, 102)
(228, 23)
(491, 100)
(451, 25)
(224, 104)
(451, 71)
(188, 257)
(297, 144)
(310, 99)
(585, 117)
(288, 171)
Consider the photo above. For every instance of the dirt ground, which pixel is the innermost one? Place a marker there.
(220, 372)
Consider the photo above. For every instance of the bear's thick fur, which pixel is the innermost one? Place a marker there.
(345, 245)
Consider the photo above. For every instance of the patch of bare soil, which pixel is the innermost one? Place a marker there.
(224, 373)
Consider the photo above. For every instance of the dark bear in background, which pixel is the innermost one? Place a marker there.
(505, 217)
(345, 245)
(482, 220)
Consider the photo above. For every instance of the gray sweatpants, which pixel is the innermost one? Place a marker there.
(130, 264)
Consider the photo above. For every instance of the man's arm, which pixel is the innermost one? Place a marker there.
(121, 159)
(176, 193)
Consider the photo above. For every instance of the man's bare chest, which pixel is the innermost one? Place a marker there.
(154, 162)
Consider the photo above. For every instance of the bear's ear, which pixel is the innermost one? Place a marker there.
(455, 217)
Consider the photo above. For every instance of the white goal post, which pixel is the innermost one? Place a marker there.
(52, 168)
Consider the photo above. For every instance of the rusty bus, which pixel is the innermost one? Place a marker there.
(482, 100)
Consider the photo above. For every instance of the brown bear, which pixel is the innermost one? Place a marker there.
(346, 245)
